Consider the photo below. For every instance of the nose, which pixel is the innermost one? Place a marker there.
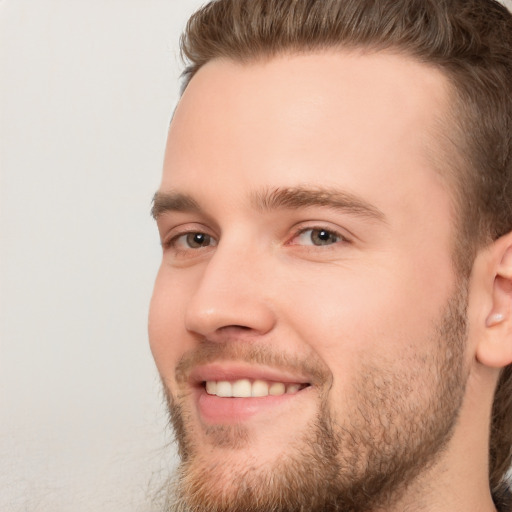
(231, 293)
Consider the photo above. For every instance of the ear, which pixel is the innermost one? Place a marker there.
(494, 346)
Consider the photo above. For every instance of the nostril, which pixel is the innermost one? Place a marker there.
(234, 329)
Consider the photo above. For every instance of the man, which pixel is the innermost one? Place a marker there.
(332, 319)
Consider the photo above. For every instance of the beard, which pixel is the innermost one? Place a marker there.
(398, 423)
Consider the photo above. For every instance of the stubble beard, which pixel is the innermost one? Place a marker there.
(396, 427)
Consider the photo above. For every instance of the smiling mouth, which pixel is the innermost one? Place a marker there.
(246, 388)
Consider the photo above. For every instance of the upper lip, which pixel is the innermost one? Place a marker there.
(235, 371)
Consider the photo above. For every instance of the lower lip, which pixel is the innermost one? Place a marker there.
(214, 409)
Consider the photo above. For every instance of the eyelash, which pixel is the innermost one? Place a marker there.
(332, 232)
(172, 242)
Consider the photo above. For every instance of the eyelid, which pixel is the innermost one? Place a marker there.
(176, 232)
(174, 241)
(299, 230)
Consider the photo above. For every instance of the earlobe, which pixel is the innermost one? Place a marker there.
(494, 319)
(495, 345)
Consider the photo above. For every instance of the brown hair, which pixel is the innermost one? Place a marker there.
(469, 40)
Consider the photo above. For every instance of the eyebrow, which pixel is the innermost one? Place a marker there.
(294, 198)
(173, 202)
(283, 198)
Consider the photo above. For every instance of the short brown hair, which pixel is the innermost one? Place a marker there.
(470, 41)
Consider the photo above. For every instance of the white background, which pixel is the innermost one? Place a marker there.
(87, 89)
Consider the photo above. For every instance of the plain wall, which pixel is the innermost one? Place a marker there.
(87, 88)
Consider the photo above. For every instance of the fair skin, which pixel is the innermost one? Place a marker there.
(330, 294)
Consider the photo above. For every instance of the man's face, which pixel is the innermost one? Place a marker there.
(304, 319)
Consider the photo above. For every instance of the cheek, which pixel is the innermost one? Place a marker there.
(375, 314)
(166, 313)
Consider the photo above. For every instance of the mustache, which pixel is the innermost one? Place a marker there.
(207, 352)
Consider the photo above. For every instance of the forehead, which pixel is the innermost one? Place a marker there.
(314, 118)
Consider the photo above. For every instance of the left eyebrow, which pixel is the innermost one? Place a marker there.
(294, 198)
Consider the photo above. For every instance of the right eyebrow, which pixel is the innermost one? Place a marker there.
(173, 202)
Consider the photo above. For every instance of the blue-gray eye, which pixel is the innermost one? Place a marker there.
(318, 237)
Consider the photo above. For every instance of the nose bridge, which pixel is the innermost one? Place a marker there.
(231, 292)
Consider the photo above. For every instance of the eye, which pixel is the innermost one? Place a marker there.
(193, 240)
(318, 237)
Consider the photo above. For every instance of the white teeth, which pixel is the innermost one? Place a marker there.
(211, 387)
(277, 389)
(259, 388)
(224, 389)
(244, 388)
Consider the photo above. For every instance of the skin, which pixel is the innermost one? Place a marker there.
(369, 300)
